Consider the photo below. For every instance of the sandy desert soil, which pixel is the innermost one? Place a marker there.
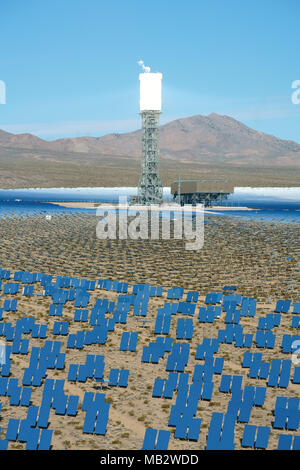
(93, 205)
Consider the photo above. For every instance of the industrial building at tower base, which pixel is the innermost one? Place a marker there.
(207, 192)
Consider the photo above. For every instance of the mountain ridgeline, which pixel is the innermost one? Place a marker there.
(212, 138)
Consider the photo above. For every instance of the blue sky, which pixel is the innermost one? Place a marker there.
(70, 66)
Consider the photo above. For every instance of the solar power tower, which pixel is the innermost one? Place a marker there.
(150, 189)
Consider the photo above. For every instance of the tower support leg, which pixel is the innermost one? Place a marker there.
(150, 190)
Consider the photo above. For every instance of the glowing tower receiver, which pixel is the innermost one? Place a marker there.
(150, 189)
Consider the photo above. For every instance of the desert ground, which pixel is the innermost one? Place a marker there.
(92, 171)
(93, 205)
(247, 254)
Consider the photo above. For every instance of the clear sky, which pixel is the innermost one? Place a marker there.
(70, 66)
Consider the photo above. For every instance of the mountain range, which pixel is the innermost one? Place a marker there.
(195, 138)
(190, 143)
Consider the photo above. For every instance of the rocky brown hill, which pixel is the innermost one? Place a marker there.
(196, 139)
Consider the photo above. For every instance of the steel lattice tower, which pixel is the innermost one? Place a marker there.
(150, 189)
